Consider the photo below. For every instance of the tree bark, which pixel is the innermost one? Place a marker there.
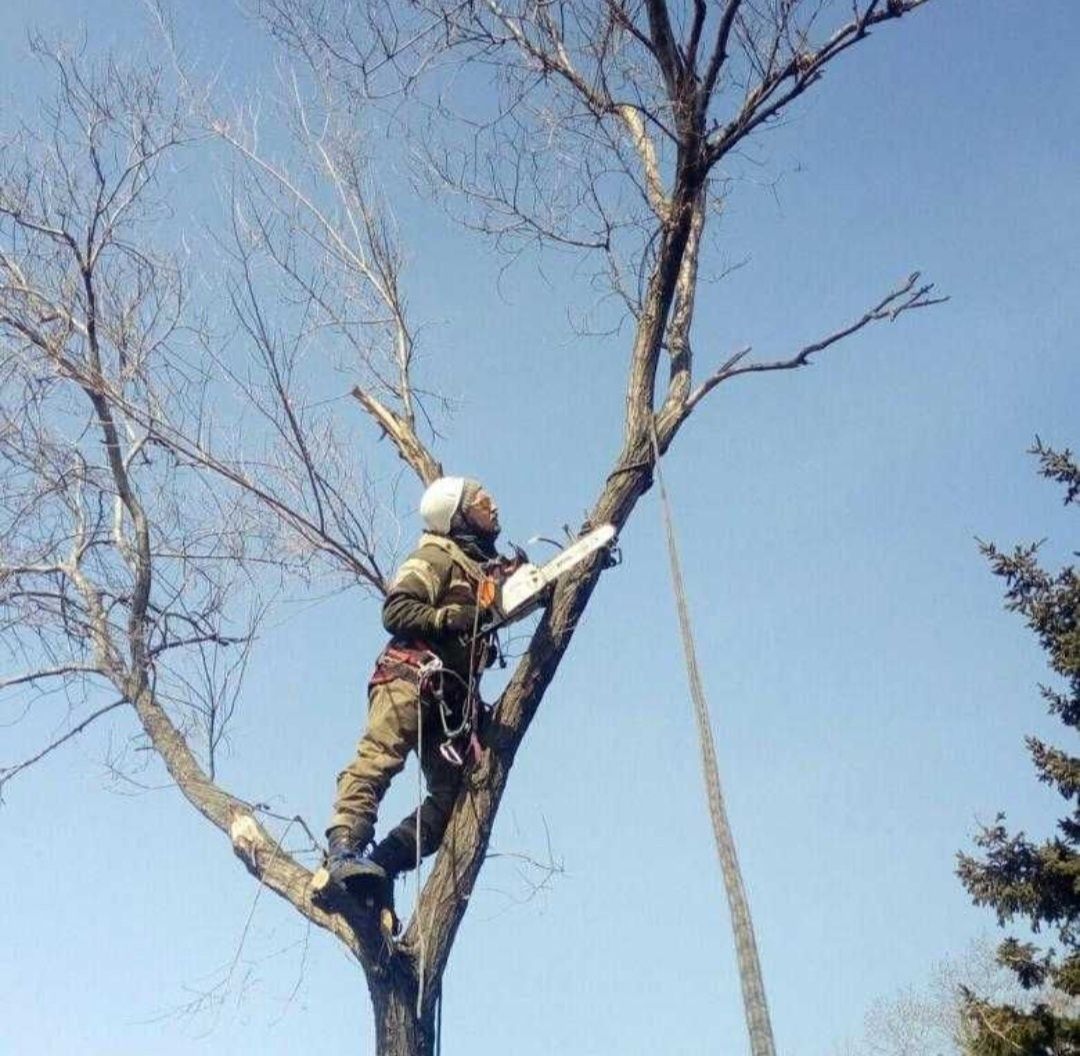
(398, 1029)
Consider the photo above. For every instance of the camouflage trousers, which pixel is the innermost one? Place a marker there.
(395, 716)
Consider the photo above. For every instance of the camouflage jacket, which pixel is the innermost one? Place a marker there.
(439, 572)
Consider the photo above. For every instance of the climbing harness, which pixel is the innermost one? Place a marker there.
(753, 989)
(417, 663)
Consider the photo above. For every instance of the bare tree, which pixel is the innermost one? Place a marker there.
(936, 1017)
(131, 519)
(604, 128)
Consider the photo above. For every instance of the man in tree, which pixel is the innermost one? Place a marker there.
(422, 692)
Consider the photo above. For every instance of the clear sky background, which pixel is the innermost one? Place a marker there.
(869, 694)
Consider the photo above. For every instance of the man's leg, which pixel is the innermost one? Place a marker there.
(388, 738)
(396, 853)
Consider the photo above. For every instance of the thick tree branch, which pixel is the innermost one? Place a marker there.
(259, 851)
(646, 150)
(665, 48)
(682, 317)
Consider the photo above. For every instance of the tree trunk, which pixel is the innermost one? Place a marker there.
(398, 1030)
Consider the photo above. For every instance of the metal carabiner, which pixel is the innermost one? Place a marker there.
(450, 753)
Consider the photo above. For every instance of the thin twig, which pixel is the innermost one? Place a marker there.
(7, 773)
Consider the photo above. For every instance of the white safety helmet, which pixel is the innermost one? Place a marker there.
(440, 501)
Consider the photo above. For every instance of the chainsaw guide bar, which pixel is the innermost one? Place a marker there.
(522, 592)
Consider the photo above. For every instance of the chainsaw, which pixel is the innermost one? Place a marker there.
(520, 588)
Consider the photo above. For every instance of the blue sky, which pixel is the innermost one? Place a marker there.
(869, 694)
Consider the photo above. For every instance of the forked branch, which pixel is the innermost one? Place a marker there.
(783, 81)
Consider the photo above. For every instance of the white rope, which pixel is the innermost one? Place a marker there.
(753, 988)
(422, 942)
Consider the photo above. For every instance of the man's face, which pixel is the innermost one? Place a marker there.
(483, 514)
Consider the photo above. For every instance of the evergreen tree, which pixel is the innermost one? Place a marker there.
(1038, 883)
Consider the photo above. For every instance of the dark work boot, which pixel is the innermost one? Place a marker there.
(348, 865)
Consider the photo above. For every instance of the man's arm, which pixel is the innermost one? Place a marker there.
(412, 608)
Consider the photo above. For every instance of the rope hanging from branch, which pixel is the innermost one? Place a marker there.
(753, 987)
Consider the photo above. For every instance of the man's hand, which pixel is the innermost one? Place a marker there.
(458, 618)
